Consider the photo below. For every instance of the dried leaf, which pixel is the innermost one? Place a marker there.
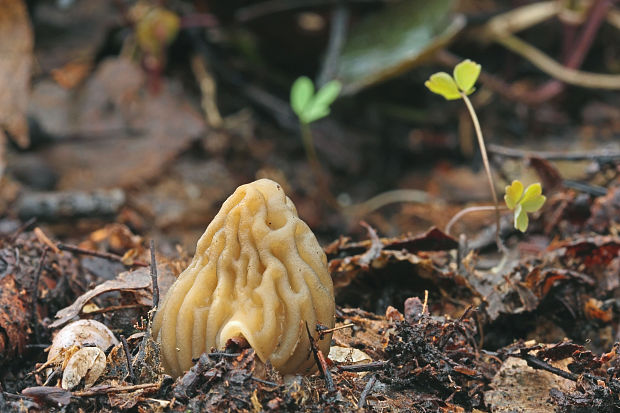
(133, 280)
(88, 363)
(48, 395)
(348, 355)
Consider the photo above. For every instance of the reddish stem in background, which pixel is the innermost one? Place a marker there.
(574, 60)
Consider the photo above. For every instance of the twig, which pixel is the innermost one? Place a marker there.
(154, 276)
(321, 363)
(35, 292)
(337, 36)
(44, 239)
(208, 89)
(373, 366)
(107, 255)
(424, 305)
(132, 377)
(268, 383)
(221, 354)
(362, 401)
(96, 391)
(576, 53)
(536, 363)
(322, 330)
(601, 156)
(557, 70)
(21, 229)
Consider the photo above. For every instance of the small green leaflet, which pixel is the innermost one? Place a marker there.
(309, 106)
(530, 200)
(450, 87)
(465, 74)
(442, 84)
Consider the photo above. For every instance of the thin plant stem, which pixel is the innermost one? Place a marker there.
(308, 142)
(463, 212)
(487, 168)
(306, 137)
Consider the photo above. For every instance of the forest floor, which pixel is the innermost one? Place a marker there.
(120, 152)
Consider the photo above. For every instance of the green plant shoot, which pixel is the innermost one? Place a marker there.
(459, 86)
(450, 87)
(522, 202)
(309, 106)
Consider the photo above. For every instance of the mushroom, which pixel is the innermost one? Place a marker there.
(258, 273)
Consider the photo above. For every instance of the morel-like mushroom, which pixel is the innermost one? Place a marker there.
(258, 273)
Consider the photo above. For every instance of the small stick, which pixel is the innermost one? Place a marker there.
(44, 239)
(106, 255)
(154, 276)
(21, 229)
(128, 357)
(35, 292)
(220, 354)
(268, 383)
(373, 366)
(319, 358)
(95, 391)
(604, 155)
(424, 306)
(362, 401)
(322, 330)
(536, 363)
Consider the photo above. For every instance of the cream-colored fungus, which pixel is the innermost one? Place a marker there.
(259, 272)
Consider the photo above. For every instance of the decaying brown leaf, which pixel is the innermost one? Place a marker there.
(133, 280)
(48, 395)
(16, 41)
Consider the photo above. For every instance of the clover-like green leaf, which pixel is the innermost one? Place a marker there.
(465, 74)
(533, 199)
(443, 84)
(521, 218)
(514, 192)
(302, 92)
(318, 107)
(328, 93)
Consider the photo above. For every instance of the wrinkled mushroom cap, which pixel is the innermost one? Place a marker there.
(258, 272)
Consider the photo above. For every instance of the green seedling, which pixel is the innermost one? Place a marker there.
(522, 202)
(459, 86)
(310, 107)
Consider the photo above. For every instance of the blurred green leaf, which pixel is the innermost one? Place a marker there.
(533, 199)
(443, 84)
(521, 219)
(465, 74)
(301, 94)
(308, 106)
(328, 94)
(403, 35)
